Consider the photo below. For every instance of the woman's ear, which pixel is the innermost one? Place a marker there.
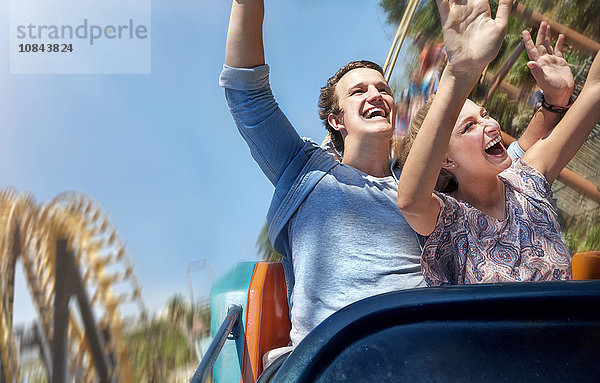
(448, 164)
(336, 122)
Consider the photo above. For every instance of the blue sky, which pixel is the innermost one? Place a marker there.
(160, 152)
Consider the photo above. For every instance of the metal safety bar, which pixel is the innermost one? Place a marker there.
(230, 329)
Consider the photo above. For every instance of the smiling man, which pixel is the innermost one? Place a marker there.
(336, 223)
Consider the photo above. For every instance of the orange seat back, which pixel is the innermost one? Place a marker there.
(267, 317)
(586, 265)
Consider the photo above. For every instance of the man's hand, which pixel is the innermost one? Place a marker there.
(471, 36)
(550, 70)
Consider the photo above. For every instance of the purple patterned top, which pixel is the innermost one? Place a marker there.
(467, 246)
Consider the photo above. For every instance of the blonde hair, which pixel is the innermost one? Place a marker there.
(446, 182)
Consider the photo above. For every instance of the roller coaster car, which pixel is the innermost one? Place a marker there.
(544, 331)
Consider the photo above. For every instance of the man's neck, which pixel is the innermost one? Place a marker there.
(368, 157)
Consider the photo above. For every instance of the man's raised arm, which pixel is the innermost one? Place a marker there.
(244, 47)
(272, 140)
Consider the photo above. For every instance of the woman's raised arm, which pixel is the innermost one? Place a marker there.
(472, 39)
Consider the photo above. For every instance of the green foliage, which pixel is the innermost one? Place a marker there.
(202, 318)
(592, 240)
(157, 350)
(513, 115)
(581, 15)
(266, 252)
(582, 234)
(395, 9)
(177, 308)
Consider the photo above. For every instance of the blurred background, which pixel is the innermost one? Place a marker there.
(160, 156)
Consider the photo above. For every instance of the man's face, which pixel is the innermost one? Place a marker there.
(366, 103)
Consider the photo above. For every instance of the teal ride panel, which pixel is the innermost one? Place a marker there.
(230, 289)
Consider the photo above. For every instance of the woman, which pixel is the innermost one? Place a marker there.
(497, 223)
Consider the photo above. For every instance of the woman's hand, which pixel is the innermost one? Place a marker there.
(550, 70)
(472, 38)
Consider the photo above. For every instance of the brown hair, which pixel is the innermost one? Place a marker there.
(328, 101)
(446, 182)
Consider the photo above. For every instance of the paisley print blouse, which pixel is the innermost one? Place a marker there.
(468, 246)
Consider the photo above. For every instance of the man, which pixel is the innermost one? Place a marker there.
(336, 223)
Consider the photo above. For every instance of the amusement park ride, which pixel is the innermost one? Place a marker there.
(542, 331)
(68, 249)
(505, 332)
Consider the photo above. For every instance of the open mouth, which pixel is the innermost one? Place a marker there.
(375, 113)
(495, 148)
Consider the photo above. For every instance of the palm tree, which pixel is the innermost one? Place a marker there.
(266, 252)
(177, 309)
(156, 350)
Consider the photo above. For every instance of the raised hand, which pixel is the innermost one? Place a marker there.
(471, 36)
(550, 70)
(550, 155)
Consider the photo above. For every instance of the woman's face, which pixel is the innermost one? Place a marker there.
(475, 147)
